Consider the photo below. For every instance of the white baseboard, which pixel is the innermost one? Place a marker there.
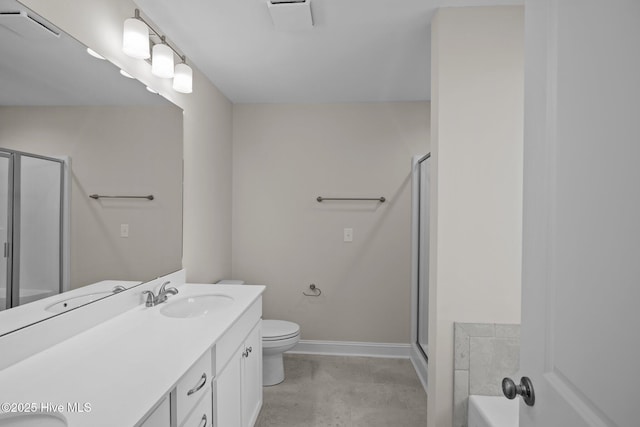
(347, 348)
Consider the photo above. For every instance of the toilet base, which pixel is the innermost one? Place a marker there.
(272, 369)
(272, 362)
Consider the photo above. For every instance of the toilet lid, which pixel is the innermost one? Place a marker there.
(279, 330)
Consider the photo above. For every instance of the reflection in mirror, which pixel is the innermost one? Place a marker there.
(108, 135)
(32, 233)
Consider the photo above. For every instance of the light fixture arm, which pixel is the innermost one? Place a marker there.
(137, 16)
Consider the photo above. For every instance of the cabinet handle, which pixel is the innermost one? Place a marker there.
(203, 421)
(246, 351)
(201, 383)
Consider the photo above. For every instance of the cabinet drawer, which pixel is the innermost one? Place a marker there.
(192, 386)
(201, 415)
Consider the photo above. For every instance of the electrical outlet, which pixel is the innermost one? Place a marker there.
(124, 230)
(348, 235)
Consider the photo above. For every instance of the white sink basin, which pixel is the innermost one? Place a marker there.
(197, 305)
(31, 420)
(68, 304)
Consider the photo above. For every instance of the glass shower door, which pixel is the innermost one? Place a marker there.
(39, 223)
(5, 227)
(423, 256)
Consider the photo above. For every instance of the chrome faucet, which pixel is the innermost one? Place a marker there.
(162, 293)
(118, 288)
(153, 300)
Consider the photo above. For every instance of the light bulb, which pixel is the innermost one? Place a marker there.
(127, 75)
(135, 39)
(183, 78)
(94, 53)
(162, 61)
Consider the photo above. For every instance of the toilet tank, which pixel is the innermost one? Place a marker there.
(230, 282)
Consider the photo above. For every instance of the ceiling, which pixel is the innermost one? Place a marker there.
(357, 50)
(38, 69)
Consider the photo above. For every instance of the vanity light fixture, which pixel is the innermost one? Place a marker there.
(162, 60)
(135, 37)
(162, 54)
(183, 78)
(127, 75)
(94, 53)
(151, 90)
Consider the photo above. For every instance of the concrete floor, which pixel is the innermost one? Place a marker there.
(337, 391)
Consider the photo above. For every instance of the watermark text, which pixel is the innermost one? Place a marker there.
(39, 407)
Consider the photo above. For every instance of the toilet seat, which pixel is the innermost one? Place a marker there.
(276, 330)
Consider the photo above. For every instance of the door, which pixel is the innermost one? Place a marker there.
(228, 393)
(31, 227)
(252, 377)
(422, 337)
(581, 255)
(37, 262)
(5, 230)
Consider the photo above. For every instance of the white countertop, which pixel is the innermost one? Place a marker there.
(125, 365)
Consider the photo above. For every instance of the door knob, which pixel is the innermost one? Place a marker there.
(524, 389)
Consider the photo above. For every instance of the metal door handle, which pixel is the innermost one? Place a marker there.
(524, 389)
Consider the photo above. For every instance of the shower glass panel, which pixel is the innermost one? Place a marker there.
(5, 226)
(423, 256)
(40, 226)
(31, 218)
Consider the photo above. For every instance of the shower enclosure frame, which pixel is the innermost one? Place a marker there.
(6, 250)
(419, 355)
(12, 246)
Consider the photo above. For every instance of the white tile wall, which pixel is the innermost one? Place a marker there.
(484, 353)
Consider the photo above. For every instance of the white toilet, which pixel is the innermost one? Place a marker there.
(278, 336)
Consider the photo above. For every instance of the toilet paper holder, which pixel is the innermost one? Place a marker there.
(316, 291)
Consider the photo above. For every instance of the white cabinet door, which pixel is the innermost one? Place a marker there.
(581, 250)
(252, 377)
(228, 395)
(160, 417)
(238, 387)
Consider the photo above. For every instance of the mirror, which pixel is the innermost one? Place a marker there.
(112, 137)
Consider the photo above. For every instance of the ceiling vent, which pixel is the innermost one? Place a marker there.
(28, 25)
(291, 15)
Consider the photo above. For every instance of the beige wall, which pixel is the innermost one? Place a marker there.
(113, 150)
(207, 131)
(284, 157)
(477, 112)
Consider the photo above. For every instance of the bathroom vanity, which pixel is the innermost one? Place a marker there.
(194, 360)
